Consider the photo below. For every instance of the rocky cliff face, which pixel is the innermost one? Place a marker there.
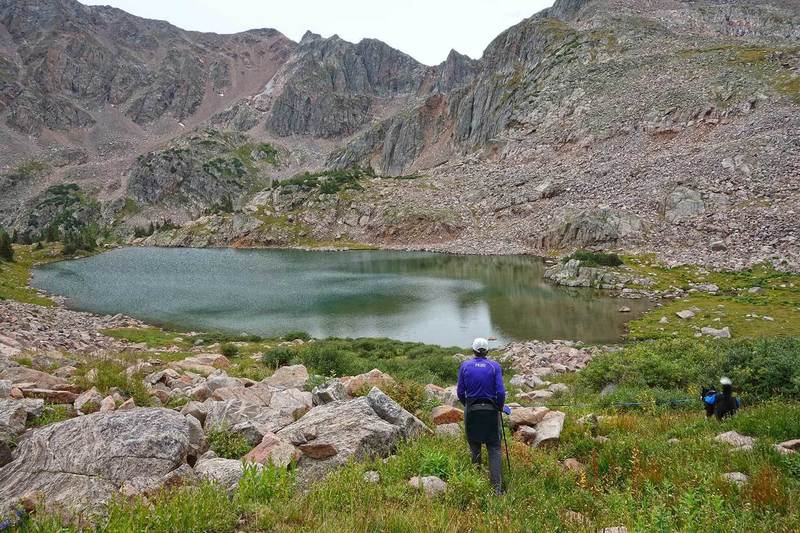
(643, 125)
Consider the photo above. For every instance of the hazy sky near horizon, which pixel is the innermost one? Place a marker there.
(424, 29)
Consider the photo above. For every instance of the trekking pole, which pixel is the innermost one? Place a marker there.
(505, 442)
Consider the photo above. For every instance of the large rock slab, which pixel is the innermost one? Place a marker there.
(330, 435)
(258, 394)
(526, 416)
(225, 472)
(275, 450)
(373, 378)
(203, 364)
(548, 431)
(292, 402)
(393, 412)
(81, 463)
(288, 377)
(231, 414)
(35, 379)
(12, 418)
(683, 203)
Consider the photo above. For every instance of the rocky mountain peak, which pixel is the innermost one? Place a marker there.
(566, 9)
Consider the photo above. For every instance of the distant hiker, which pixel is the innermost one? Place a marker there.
(481, 390)
(721, 404)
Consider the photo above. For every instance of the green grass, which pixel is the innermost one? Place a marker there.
(14, 276)
(52, 414)
(637, 479)
(780, 300)
(228, 444)
(151, 336)
(111, 374)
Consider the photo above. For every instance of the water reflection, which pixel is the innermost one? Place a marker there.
(435, 298)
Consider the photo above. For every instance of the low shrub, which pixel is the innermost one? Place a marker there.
(760, 368)
(52, 414)
(278, 356)
(204, 509)
(329, 360)
(229, 350)
(294, 335)
(111, 375)
(264, 484)
(435, 463)
(594, 259)
(409, 394)
(227, 444)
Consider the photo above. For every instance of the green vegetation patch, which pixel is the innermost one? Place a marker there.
(762, 368)
(52, 414)
(637, 479)
(110, 374)
(14, 276)
(151, 336)
(771, 64)
(756, 302)
(593, 259)
(228, 444)
(328, 181)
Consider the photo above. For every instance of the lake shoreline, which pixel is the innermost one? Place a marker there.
(434, 279)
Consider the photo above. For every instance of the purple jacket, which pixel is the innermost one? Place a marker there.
(481, 378)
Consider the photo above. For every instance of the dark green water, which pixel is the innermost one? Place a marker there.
(426, 297)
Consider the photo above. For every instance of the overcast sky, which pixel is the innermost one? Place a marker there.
(425, 29)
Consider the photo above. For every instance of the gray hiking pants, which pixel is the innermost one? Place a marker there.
(495, 462)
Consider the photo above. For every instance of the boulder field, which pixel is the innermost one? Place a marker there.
(80, 464)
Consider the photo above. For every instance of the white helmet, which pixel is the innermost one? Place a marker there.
(480, 345)
(725, 381)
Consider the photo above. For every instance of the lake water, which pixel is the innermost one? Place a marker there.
(434, 298)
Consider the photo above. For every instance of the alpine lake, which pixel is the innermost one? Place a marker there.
(414, 296)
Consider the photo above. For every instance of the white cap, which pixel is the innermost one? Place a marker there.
(725, 381)
(480, 344)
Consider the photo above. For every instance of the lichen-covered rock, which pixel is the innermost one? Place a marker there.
(526, 416)
(373, 378)
(445, 414)
(273, 450)
(12, 418)
(548, 431)
(332, 434)
(432, 486)
(288, 377)
(229, 414)
(225, 472)
(35, 379)
(393, 412)
(593, 227)
(331, 391)
(82, 462)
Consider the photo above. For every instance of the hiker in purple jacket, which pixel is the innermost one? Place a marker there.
(481, 391)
